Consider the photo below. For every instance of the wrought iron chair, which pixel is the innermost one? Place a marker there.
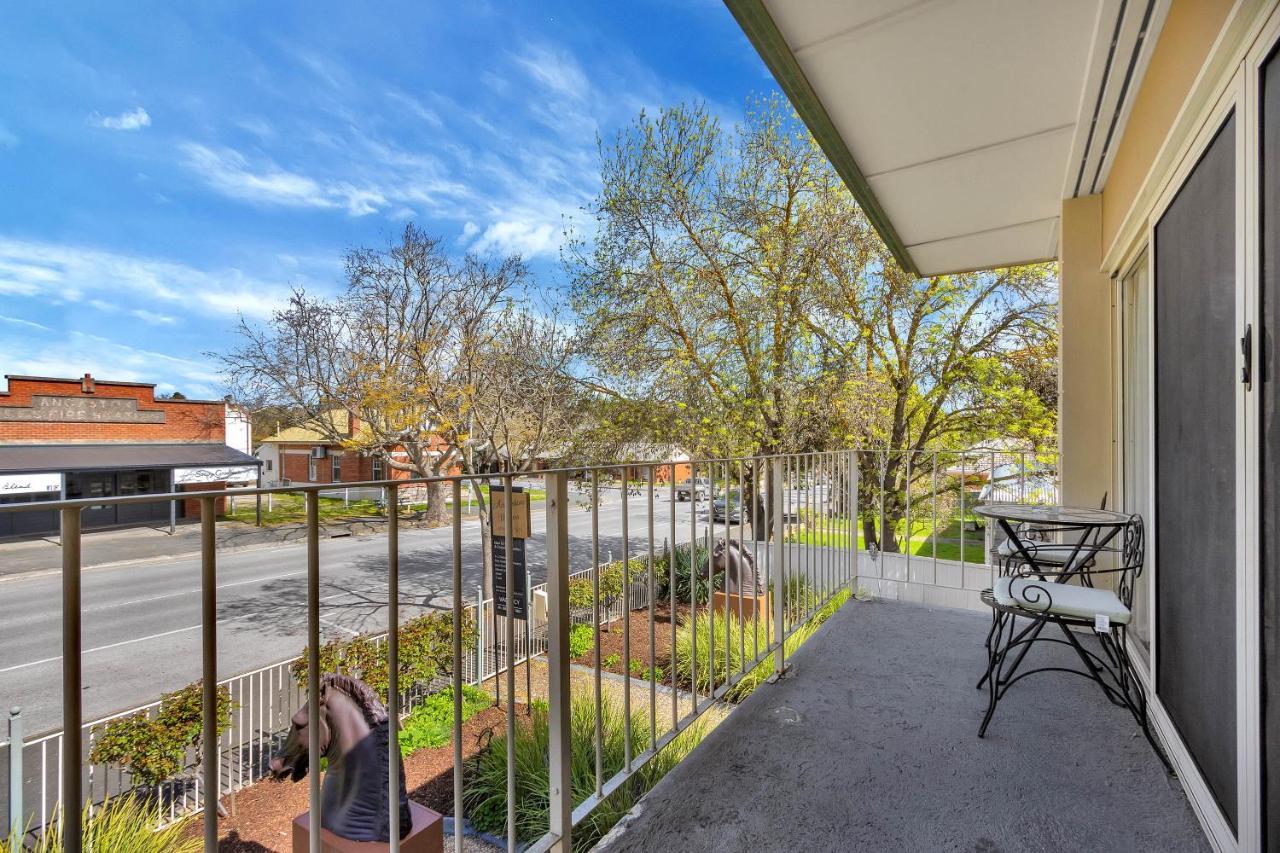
(1043, 593)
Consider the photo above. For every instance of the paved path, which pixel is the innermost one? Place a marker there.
(141, 620)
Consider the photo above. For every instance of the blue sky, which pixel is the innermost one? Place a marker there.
(168, 166)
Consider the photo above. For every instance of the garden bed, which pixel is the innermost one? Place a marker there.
(614, 657)
(263, 813)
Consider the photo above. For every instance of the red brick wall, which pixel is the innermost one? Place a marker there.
(191, 506)
(184, 420)
(356, 467)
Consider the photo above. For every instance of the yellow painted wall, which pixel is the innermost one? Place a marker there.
(1189, 31)
(1086, 397)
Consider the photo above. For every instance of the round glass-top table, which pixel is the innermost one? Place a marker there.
(1054, 515)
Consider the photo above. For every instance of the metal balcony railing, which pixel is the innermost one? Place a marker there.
(797, 516)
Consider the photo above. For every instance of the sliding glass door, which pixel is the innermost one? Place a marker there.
(1196, 378)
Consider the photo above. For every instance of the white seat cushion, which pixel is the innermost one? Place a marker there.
(1065, 599)
(1044, 552)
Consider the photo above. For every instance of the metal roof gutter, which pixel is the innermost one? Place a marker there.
(759, 27)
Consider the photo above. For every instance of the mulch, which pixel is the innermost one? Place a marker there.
(611, 642)
(262, 814)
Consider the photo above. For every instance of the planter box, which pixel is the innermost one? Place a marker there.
(427, 836)
(750, 604)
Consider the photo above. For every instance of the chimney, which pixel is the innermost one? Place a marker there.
(86, 384)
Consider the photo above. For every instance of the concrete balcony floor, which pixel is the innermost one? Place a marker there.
(870, 743)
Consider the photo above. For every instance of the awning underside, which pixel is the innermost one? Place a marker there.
(21, 458)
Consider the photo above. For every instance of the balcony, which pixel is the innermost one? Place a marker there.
(866, 741)
(870, 743)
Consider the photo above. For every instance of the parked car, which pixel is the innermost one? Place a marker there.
(696, 490)
(733, 514)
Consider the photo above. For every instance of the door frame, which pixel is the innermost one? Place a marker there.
(1253, 767)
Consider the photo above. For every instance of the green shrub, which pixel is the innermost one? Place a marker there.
(611, 661)
(582, 595)
(426, 651)
(485, 799)
(761, 672)
(581, 640)
(431, 723)
(125, 824)
(154, 748)
(689, 574)
(699, 657)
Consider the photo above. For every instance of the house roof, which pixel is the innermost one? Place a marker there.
(314, 431)
(961, 126)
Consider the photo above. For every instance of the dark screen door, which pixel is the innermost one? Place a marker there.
(1196, 364)
(1269, 450)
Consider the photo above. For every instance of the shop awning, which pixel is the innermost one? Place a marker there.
(20, 458)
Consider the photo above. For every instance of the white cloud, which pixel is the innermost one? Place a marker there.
(134, 119)
(26, 324)
(228, 172)
(8, 139)
(65, 273)
(555, 69)
(527, 238)
(153, 318)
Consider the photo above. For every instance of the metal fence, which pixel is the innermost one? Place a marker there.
(803, 519)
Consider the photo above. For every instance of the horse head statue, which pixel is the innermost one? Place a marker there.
(737, 564)
(354, 739)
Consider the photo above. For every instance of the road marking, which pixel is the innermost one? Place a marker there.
(101, 648)
(109, 646)
(192, 591)
(333, 624)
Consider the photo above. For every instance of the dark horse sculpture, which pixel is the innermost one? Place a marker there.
(354, 739)
(738, 566)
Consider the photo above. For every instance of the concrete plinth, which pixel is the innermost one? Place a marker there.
(427, 836)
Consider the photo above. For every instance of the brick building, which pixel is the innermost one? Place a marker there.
(317, 452)
(84, 438)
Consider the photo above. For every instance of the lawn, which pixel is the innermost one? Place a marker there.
(836, 534)
(291, 508)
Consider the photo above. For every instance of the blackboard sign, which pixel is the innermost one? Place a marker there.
(519, 586)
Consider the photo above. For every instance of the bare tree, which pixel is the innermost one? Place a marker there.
(433, 358)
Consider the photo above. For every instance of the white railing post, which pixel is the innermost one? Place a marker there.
(313, 666)
(393, 665)
(779, 584)
(210, 755)
(72, 778)
(456, 681)
(853, 521)
(559, 685)
(17, 821)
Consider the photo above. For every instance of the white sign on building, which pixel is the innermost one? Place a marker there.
(24, 484)
(216, 474)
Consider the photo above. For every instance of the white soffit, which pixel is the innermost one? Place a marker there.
(970, 119)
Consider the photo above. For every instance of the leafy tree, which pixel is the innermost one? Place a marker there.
(735, 285)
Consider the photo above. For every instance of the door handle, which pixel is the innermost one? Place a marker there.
(1246, 350)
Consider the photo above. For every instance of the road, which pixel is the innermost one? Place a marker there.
(141, 622)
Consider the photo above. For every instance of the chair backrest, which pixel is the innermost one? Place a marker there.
(1132, 557)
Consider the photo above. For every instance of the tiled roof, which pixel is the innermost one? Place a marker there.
(314, 432)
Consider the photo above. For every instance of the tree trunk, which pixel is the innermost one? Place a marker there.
(870, 536)
(437, 514)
